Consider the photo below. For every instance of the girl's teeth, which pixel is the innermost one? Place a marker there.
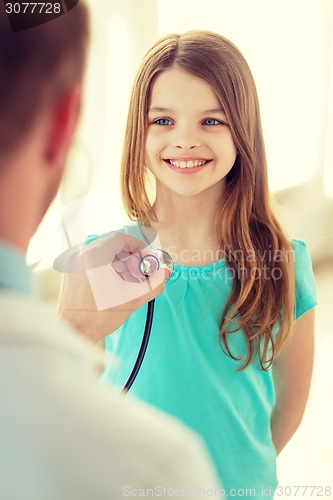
(188, 164)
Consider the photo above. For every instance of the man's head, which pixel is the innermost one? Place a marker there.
(41, 71)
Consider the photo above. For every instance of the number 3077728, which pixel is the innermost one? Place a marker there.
(32, 8)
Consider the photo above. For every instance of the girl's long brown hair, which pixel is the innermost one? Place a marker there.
(256, 248)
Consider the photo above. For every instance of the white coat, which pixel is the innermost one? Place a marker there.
(64, 436)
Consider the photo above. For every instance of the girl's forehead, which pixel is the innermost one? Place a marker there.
(175, 85)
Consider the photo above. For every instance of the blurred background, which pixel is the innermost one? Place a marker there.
(289, 47)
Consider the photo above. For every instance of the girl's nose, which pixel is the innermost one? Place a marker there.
(186, 139)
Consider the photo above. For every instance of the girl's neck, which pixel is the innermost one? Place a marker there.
(186, 228)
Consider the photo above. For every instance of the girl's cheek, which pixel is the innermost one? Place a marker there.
(153, 143)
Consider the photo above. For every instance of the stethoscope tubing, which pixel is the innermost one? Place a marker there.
(143, 347)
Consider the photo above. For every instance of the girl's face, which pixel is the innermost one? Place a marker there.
(189, 147)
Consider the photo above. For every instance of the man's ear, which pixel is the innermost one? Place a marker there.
(63, 120)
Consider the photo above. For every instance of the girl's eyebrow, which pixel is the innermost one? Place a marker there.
(216, 110)
(156, 109)
(160, 110)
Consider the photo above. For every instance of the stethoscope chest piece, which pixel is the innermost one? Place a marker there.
(152, 262)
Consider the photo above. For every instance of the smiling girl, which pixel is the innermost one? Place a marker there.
(231, 348)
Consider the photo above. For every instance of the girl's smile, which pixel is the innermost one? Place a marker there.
(187, 165)
(187, 134)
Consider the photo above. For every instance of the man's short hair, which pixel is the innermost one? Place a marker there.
(36, 65)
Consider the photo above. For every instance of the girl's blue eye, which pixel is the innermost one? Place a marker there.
(212, 121)
(163, 121)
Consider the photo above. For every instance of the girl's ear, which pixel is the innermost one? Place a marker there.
(63, 121)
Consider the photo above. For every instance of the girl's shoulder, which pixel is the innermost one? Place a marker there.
(305, 285)
(299, 245)
(301, 253)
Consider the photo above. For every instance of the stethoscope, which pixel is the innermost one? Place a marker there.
(149, 264)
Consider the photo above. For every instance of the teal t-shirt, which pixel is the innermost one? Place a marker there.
(186, 373)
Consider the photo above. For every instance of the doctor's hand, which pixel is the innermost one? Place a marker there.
(103, 284)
